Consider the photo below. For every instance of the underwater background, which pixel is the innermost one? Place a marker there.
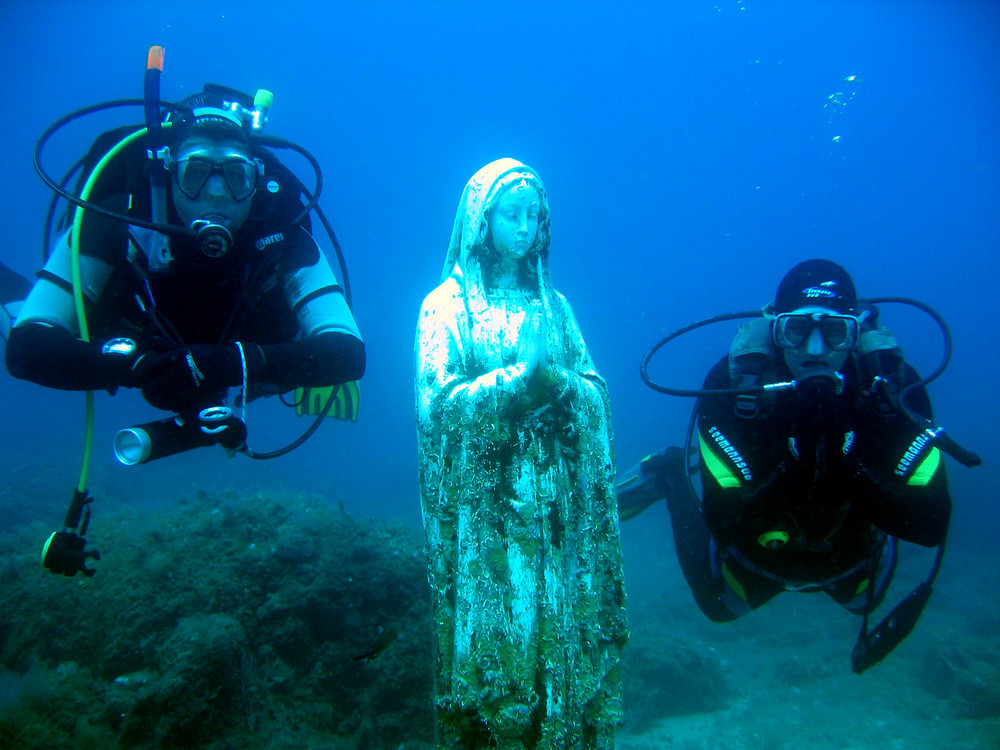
(692, 152)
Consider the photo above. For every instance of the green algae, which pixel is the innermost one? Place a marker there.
(226, 621)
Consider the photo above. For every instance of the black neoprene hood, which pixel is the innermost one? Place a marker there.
(817, 283)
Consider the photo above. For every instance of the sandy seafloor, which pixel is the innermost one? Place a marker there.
(787, 672)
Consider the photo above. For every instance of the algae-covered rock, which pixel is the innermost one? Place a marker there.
(227, 621)
(207, 682)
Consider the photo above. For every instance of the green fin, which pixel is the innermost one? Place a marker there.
(346, 398)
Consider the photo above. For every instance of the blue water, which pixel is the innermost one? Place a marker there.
(692, 151)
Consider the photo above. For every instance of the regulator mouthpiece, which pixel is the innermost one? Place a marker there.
(823, 384)
(214, 239)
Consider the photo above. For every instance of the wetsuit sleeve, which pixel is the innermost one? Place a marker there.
(330, 349)
(901, 481)
(53, 357)
(320, 360)
(44, 347)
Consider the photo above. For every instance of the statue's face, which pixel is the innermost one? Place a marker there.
(514, 220)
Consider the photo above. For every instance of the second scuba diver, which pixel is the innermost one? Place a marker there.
(804, 488)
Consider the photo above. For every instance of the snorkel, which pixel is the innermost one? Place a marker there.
(156, 244)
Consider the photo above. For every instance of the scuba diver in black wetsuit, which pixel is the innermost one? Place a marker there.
(187, 268)
(246, 295)
(811, 469)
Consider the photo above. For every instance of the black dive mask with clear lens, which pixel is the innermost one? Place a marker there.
(840, 332)
(239, 175)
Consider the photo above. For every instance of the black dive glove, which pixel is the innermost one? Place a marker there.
(190, 378)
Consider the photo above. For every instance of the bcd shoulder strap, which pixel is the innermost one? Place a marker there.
(881, 357)
(749, 358)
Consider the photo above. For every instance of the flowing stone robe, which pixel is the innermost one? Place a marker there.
(518, 502)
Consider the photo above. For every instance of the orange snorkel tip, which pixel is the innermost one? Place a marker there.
(155, 58)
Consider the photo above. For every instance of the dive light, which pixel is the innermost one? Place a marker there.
(214, 425)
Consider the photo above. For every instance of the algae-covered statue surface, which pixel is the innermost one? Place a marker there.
(516, 475)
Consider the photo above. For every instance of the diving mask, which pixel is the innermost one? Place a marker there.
(238, 173)
(840, 332)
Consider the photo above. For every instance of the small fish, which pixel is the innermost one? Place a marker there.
(385, 639)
